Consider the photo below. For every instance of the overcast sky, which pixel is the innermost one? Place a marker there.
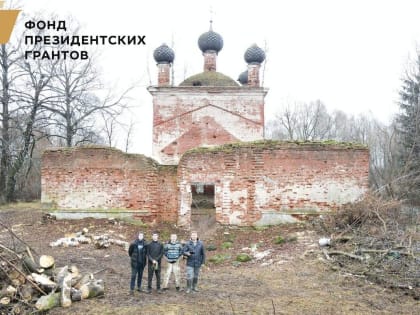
(349, 54)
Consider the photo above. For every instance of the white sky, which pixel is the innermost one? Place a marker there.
(349, 54)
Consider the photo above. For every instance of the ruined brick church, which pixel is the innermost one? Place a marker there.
(210, 160)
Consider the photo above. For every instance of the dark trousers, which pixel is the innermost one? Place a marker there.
(150, 276)
(136, 272)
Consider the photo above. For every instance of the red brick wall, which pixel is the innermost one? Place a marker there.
(104, 178)
(188, 117)
(271, 182)
(210, 59)
(164, 74)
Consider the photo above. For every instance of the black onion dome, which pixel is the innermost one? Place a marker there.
(210, 41)
(164, 54)
(243, 77)
(254, 54)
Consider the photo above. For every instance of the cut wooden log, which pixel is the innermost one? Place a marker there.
(17, 277)
(5, 300)
(75, 280)
(49, 271)
(76, 295)
(31, 266)
(28, 250)
(85, 279)
(123, 244)
(46, 261)
(48, 302)
(9, 291)
(92, 289)
(26, 292)
(65, 297)
(44, 281)
(61, 274)
(74, 271)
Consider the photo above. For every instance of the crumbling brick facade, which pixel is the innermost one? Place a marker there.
(264, 182)
(270, 182)
(104, 180)
(189, 117)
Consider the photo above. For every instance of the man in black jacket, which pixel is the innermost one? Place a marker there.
(196, 256)
(137, 251)
(154, 255)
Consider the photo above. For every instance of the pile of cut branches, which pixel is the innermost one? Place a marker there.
(376, 239)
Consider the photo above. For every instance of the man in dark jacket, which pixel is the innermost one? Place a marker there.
(196, 256)
(154, 255)
(137, 251)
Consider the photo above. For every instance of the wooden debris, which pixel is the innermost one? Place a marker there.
(48, 302)
(345, 254)
(26, 292)
(76, 295)
(85, 279)
(123, 244)
(65, 297)
(46, 261)
(26, 286)
(44, 281)
(92, 289)
(31, 266)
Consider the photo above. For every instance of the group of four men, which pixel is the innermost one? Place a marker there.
(141, 252)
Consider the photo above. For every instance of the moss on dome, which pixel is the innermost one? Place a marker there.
(209, 78)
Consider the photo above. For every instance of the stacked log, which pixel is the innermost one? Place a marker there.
(40, 284)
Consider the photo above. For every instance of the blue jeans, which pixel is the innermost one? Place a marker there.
(192, 272)
(139, 273)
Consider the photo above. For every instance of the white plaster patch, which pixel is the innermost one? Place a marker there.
(234, 217)
(274, 218)
(236, 197)
(331, 191)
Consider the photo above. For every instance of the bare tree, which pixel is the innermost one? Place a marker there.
(308, 121)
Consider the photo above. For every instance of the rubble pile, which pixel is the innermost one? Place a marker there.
(84, 237)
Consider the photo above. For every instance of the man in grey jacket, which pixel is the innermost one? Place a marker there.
(196, 256)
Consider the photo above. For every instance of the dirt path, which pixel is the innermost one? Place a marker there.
(290, 279)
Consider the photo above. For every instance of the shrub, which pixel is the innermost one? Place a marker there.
(218, 258)
(243, 258)
(227, 245)
(279, 240)
(211, 247)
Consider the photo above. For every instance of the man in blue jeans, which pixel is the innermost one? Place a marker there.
(196, 256)
(137, 252)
